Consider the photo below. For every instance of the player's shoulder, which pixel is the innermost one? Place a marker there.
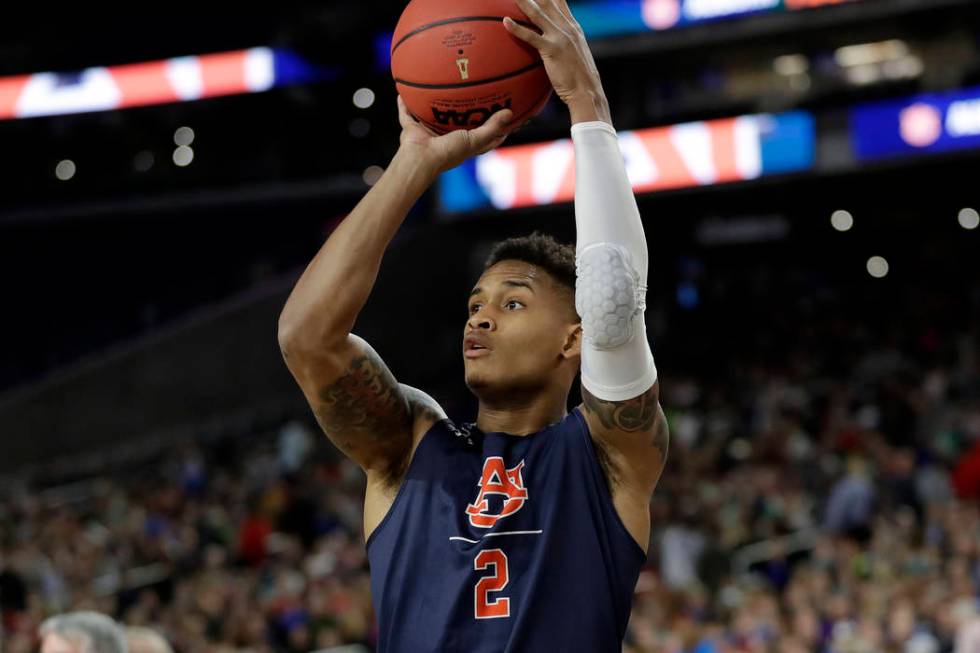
(426, 411)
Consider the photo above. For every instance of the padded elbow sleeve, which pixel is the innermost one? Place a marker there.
(607, 295)
(611, 269)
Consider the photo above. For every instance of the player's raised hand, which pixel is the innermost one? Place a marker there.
(566, 55)
(450, 150)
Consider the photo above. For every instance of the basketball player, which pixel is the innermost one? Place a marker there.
(525, 530)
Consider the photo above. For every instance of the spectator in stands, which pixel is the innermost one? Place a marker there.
(849, 508)
(82, 632)
(146, 640)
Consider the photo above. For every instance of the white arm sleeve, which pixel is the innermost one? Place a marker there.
(611, 269)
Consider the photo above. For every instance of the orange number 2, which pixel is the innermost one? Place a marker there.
(484, 607)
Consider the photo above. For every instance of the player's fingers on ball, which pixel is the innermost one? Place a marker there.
(535, 12)
(477, 141)
(501, 119)
(489, 142)
(494, 128)
(482, 138)
(529, 36)
(565, 9)
(404, 117)
(428, 130)
(494, 145)
(552, 9)
(538, 16)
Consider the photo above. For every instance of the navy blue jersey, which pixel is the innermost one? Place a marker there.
(498, 542)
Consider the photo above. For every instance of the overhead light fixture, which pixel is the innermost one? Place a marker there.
(65, 170)
(183, 136)
(789, 65)
(183, 156)
(877, 267)
(863, 54)
(969, 219)
(363, 98)
(842, 220)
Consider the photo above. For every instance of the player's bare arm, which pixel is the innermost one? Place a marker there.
(359, 404)
(636, 430)
(367, 414)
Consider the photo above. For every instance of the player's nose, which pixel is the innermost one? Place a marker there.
(481, 322)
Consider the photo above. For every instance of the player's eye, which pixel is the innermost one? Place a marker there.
(513, 301)
(473, 308)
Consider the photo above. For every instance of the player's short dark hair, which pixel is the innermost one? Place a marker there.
(543, 251)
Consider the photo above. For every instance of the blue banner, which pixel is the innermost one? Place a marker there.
(940, 122)
(612, 17)
(606, 18)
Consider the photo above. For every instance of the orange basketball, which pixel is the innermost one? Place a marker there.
(455, 64)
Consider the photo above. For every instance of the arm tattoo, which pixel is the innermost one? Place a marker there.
(631, 415)
(423, 406)
(365, 410)
(661, 436)
(641, 414)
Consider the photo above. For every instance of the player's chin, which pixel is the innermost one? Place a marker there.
(478, 374)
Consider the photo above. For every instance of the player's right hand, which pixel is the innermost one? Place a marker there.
(450, 150)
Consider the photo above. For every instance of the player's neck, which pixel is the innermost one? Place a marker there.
(520, 418)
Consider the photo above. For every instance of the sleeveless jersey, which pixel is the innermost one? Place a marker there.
(497, 542)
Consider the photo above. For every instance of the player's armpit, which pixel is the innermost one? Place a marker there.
(633, 432)
(358, 403)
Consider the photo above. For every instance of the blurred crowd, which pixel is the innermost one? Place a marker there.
(821, 495)
(822, 492)
(220, 548)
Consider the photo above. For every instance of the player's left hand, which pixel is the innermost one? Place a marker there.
(565, 53)
(440, 153)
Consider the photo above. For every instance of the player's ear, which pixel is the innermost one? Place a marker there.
(573, 341)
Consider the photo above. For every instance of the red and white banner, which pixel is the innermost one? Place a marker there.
(692, 154)
(155, 82)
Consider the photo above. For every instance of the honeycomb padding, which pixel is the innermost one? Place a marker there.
(606, 295)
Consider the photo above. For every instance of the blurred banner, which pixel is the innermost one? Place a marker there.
(601, 18)
(154, 82)
(940, 122)
(606, 18)
(661, 158)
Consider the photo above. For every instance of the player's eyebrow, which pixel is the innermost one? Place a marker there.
(508, 282)
(519, 283)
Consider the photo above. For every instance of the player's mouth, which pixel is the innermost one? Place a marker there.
(475, 347)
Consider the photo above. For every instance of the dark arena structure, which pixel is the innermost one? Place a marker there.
(807, 174)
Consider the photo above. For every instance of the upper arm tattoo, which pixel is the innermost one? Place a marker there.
(364, 412)
(641, 414)
(423, 406)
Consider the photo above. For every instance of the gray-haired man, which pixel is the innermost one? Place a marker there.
(82, 632)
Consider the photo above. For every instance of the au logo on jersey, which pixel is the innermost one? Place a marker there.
(498, 480)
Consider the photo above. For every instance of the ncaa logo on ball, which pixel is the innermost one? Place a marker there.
(470, 117)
